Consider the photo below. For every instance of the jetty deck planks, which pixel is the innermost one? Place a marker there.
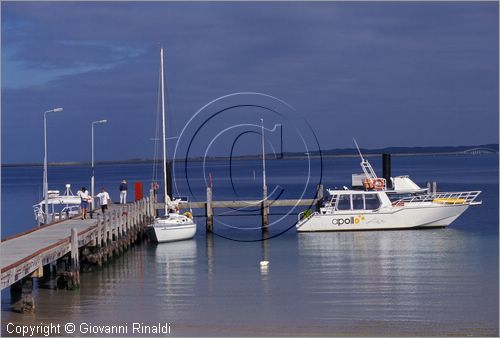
(25, 253)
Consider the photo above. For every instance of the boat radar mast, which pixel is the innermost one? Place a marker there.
(365, 165)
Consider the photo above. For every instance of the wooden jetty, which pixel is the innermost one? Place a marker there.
(264, 206)
(56, 253)
(60, 250)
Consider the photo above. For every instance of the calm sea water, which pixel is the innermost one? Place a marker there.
(415, 282)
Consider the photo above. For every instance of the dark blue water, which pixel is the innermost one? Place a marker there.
(416, 282)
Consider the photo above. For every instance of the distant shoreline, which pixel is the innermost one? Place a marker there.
(342, 153)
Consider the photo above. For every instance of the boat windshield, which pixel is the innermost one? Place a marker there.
(355, 201)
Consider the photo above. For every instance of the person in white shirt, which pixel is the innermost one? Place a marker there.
(85, 198)
(104, 199)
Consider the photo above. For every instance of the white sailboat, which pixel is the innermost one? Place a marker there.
(173, 226)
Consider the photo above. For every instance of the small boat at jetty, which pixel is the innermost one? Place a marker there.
(370, 205)
(59, 206)
(173, 226)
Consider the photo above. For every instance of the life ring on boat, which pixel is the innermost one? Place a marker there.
(368, 183)
(155, 186)
(188, 215)
(378, 184)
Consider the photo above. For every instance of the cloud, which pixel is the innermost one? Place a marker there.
(339, 64)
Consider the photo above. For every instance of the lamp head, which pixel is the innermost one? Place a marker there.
(55, 110)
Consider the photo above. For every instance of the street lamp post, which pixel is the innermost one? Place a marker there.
(45, 180)
(92, 179)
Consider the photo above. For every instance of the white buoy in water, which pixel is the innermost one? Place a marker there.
(264, 264)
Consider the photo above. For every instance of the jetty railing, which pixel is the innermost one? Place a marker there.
(47, 254)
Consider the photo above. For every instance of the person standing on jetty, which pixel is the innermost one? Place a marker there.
(84, 198)
(104, 199)
(123, 192)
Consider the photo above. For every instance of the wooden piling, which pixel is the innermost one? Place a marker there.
(265, 214)
(149, 206)
(114, 231)
(44, 282)
(109, 237)
(98, 248)
(139, 209)
(130, 225)
(209, 211)
(264, 208)
(99, 232)
(152, 201)
(21, 296)
(119, 231)
(124, 228)
(75, 263)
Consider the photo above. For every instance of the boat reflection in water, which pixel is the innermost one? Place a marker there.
(175, 263)
(403, 280)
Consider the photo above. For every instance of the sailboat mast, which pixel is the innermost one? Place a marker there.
(164, 138)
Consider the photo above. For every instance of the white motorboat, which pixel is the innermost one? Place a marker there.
(59, 206)
(173, 226)
(374, 207)
(373, 210)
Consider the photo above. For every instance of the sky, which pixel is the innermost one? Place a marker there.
(386, 73)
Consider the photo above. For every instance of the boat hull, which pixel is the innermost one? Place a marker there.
(429, 216)
(170, 233)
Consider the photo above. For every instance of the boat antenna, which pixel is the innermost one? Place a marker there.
(359, 151)
(365, 165)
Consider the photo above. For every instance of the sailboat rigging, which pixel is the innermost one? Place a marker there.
(172, 226)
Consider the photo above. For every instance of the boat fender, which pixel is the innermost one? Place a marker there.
(378, 184)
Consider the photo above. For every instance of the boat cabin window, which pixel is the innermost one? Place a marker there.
(372, 202)
(344, 202)
(357, 202)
